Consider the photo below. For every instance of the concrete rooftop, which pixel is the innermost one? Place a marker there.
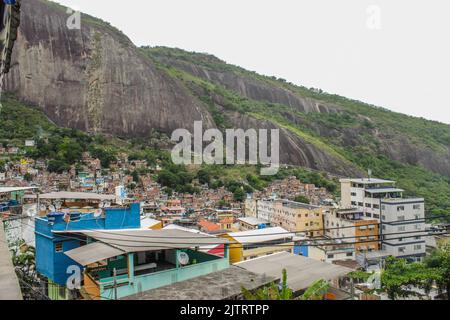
(222, 285)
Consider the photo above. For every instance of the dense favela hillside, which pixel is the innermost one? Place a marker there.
(96, 80)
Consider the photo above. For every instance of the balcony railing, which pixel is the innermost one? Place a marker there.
(125, 285)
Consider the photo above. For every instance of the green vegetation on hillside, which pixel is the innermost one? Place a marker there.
(352, 134)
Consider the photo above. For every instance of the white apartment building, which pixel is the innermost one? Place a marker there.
(404, 217)
(366, 194)
(381, 200)
(266, 209)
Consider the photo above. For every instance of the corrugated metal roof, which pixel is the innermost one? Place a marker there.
(93, 252)
(140, 240)
(253, 221)
(302, 272)
(13, 189)
(202, 248)
(261, 235)
(77, 195)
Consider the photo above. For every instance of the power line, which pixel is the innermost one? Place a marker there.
(166, 245)
(213, 243)
(172, 238)
(262, 235)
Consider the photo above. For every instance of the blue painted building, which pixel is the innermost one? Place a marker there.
(51, 260)
(301, 250)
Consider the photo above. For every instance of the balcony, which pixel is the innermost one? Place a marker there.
(148, 276)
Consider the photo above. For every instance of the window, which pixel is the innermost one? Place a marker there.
(383, 207)
(383, 218)
(376, 216)
(350, 254)
(330, 256)
(402, 229)
(401, 218)
(58, 247)
(368, 205)
(400, 208)
(360, 204)
(417, 247)
(353, 203)
(417, 207)
(376, 206)
(353, 194)
(402, 250)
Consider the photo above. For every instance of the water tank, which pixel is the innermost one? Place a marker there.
(56, 217)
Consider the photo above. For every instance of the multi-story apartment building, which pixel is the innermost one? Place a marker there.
(381, 200)
(298, 217)
(292, 216)
(265, 209)
(366, 194)
(251, 208)
(404, 217)
(350, 226)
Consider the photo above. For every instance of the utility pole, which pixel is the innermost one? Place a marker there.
(115, 283)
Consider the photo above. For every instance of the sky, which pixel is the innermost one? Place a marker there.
(390, 53)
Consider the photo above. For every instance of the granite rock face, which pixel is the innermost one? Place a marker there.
(94, 79)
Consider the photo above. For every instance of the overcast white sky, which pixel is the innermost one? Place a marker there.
(328, 44)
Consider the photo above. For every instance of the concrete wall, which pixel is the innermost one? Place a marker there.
(9, 284)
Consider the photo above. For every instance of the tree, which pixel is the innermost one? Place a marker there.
(135, 176)
(239, 195)
(302, 199)
(316, 291)
(401, 279)
(168, 179)
(57, 166)
(271, 292)
(23, 258)
(439, 260)
(204, 177)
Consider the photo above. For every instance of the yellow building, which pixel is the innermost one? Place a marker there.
(251, 208)
(257, 243)
(298, 217)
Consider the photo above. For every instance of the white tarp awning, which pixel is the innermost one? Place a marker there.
(93, 252)
(15, 189)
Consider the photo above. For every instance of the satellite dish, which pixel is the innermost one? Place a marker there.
(98, 213)
(183, 258)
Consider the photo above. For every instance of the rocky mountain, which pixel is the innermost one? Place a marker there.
(95, 79)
